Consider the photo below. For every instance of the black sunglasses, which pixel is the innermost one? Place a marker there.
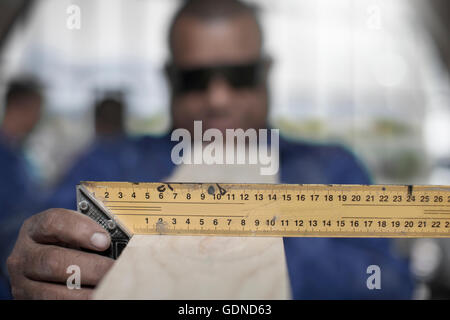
(239, 76)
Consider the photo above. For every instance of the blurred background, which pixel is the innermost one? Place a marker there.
(370, 74)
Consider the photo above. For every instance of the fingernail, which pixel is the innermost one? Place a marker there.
(100, 240)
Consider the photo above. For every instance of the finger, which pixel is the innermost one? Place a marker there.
(51, 263)
(35, 290)
(69, 227)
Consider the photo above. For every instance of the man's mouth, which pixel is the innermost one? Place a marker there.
(219, 122)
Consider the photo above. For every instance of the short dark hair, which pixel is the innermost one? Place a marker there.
(109, 109)
(209, 10)
(109, 115)
(23, 87)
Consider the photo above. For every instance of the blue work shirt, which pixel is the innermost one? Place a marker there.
(17, 200)
(319, 268)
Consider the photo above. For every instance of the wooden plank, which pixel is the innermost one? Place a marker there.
(178, 267)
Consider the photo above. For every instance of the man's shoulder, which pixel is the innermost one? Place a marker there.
(156, 148)
(321, 163)
(11, 161)
(118, 148)
(157, 140)
(294, 148)
(6, 152)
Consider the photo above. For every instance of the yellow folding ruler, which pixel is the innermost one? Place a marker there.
(281, 210)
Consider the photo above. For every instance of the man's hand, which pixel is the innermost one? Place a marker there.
(48, 243)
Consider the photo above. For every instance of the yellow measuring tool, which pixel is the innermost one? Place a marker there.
(283, 210)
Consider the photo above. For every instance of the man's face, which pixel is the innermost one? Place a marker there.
(24, 114)
(200, 45)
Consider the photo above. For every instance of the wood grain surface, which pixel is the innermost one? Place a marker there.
(183, 267)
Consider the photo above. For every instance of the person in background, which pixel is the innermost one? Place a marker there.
(22, 111)
(109, 117)
(219, 75)
(110, 141)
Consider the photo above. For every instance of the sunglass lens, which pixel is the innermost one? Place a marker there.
(241, 77)
(237, 76)
(194, 80)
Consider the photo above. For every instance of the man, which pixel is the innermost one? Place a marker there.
(218, 74)
(109, 117)
(23, 103)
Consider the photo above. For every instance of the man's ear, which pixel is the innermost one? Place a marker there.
(267, 63)
(168, 72)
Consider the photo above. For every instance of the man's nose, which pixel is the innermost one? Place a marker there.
(219, 93)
